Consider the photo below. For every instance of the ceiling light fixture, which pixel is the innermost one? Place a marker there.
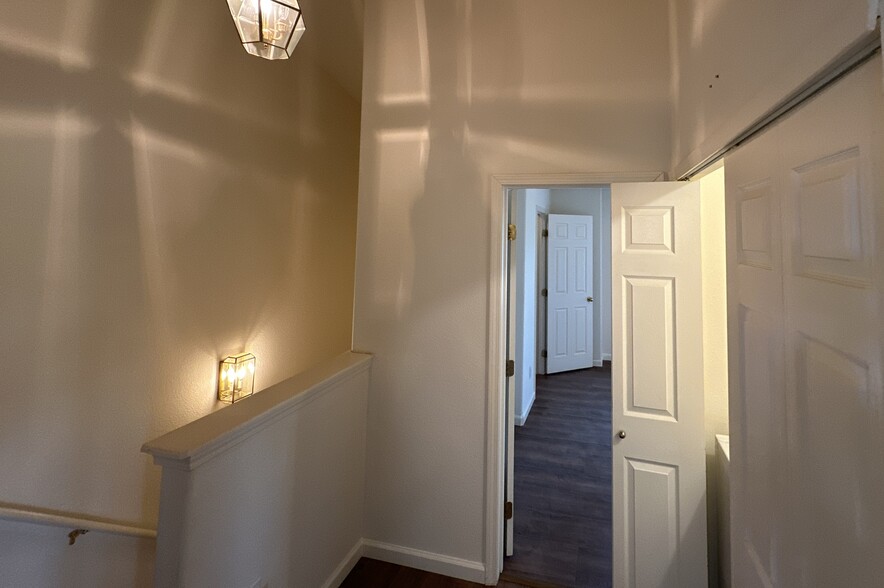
(268, 28)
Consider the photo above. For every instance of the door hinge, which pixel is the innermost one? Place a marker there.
(508, 510)
(511, 232)
(544, 292)
(543, 353)
(545, 232)
(510, 368)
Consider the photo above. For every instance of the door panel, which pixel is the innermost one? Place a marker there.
(649, 366)
(653, 531)
(570, 288)
(806, 277)
(659, 466)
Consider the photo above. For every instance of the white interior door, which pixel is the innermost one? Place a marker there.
(659, 469)
(570, 293)
(805, 299)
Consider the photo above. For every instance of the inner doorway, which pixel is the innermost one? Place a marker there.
(658, 225)
(562, 462)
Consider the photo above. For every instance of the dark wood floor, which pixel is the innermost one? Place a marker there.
(563, 483)
(562, 495)
(370, 573)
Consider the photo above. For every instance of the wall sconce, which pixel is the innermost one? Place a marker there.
(268, 28)
(237, 378)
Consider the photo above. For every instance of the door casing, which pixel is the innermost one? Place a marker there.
(496, 418)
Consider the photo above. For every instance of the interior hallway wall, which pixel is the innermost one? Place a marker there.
(527, 203)
(167, 200)
(715, 362)
(453, 93)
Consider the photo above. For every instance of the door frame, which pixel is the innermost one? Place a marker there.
(495, 428)
(539, 299)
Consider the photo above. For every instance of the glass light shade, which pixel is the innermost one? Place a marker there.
(268, 28)
(236, 377)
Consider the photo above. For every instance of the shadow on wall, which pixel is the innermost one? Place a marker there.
(455, 92)
(167, 200)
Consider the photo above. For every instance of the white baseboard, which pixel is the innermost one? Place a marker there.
(346, 565)
(522, 418)
(598, 363)
(472, 571)
(606, 357)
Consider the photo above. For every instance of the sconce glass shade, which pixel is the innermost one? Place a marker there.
(236, 378)
(268, 28)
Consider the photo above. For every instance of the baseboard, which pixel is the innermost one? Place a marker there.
(606, 357)
(598, 363)
(345, 567)
(522, 418)
(472, 571)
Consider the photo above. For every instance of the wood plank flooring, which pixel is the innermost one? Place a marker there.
(562, 495)
(371, 573)
(563, 483)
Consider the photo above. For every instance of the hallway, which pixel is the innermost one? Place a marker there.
(563, 483)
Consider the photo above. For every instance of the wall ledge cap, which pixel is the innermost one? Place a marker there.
(189, 446)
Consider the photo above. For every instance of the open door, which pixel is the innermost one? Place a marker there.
(659, 469)
(569, 328)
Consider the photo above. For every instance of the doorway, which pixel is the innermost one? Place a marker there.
(560, 290)
(653, 215)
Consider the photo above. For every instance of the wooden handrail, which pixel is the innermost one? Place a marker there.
(79, 524)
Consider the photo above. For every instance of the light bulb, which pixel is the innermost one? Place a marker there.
(241, 374)
(251, 368)
(223, 374)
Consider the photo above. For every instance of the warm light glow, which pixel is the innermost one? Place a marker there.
(233, 385)
(268, 28)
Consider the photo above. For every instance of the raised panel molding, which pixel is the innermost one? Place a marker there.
(754, 224)
(581, 281)
(836, 418)
(648, 229)
(758, 393)
(827, 220)
(561, 269)
(649, 368)
(652, 525)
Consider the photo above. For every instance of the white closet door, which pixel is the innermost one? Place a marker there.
(806, 277)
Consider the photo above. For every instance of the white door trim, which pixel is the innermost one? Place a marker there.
(497, 321)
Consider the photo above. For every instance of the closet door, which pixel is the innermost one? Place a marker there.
(805, 280)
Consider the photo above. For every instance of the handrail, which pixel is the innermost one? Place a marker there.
(79, 523)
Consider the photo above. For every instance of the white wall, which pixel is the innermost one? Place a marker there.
(733, 60)
(269, 491)
(715, 360)
(715, 363)
(595, 201)
(454, 92)
(527, 203)
(167, 200)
